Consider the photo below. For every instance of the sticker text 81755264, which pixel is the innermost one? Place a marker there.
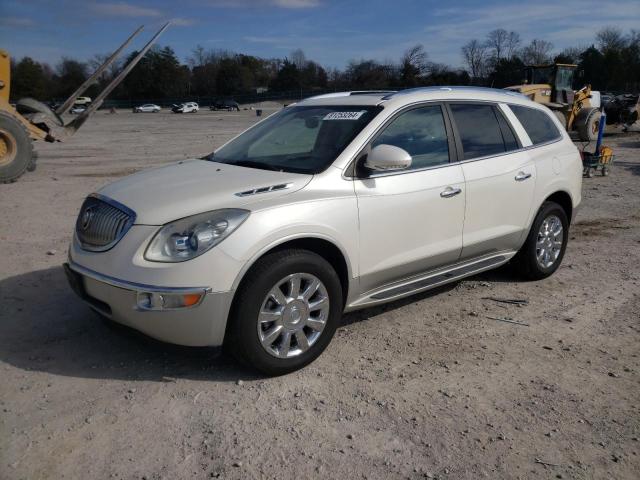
(344, 115)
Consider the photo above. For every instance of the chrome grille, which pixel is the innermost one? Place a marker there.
(102, 222)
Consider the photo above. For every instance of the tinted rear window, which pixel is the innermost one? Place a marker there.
(537, 124)
(479, 130)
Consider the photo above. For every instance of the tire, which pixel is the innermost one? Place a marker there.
(590, 172)
(34, 159)
(605, 171)
(587, 124)
(244, 331)
(16, 149)
(526, 260)
(561, 118)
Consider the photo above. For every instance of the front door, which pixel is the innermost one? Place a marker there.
(411, 220)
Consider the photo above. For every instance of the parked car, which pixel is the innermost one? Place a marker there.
(78, 109)
(147, 108)
(623, 109)
(339, 202)
(189, 107)
(225, 104)
(83, 101)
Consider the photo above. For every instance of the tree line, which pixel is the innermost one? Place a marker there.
(611, 63)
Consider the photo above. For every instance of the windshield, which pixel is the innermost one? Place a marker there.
(541, 75)
(297, 139)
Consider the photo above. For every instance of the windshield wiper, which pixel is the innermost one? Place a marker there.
(252, 164)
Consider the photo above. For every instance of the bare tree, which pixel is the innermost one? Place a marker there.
(537, 52)
(497, 43)
(474, 53)
(415, 57)
(97, 60)
(198, 57)
(413, 65)
(610, 39)
(298, 58)
(512, 44)
(571, 54)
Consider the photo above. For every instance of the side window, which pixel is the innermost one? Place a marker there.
(479, 130)
(510, 142)
(537, 124)
(422, 133)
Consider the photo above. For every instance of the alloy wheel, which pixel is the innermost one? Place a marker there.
(549, 241)
(293, 315)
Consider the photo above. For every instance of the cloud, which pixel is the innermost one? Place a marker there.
(296, 3)
(125, 10)
(182, 22)
(288, 4)
(16, 22)
(548, 20)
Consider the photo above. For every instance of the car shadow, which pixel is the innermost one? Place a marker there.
(45, 327)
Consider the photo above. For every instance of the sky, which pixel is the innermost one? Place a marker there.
(329, 32)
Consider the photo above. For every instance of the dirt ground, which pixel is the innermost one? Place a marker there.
(426, 387)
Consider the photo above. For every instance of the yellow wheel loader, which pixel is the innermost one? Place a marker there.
(32, 120)
(551, 85)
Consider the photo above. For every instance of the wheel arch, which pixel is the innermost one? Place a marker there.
(562, 198)
(327, 248)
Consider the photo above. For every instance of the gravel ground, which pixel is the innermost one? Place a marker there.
(426, 387)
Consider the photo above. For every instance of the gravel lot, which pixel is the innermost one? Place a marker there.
(427, 387)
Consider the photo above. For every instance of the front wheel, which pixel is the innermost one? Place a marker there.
(542, 252)
(285, 312)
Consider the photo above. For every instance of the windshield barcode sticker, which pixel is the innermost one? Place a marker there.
(344, 115)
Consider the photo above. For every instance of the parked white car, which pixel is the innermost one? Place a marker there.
(189, 107)
(147, 108)
(339, 202)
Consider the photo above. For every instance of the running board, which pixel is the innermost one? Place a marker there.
(429, 281)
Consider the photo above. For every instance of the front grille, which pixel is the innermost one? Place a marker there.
(102, 222)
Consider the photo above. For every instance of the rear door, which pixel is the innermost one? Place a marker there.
(500, 179)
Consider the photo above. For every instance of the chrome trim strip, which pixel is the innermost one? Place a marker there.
(133, 286)
(430, 280)
(116, 204)
(444, 165)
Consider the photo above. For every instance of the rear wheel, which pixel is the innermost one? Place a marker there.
(285, 312)
(16, 149)
(544, 248)
(561, 118)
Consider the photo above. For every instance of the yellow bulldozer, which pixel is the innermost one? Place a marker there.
(551, 85)
(31, 120)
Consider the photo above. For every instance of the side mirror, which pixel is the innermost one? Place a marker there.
(387, 158)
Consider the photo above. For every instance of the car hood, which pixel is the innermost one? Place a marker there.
(164, 194)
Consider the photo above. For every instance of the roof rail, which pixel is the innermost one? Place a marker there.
(450, 89)
(372, 92)
(353, 92)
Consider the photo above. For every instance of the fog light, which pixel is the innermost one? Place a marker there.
(167, 301)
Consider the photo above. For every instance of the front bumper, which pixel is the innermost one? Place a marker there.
(202, 324)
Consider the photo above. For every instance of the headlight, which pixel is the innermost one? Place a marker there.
(189, 237)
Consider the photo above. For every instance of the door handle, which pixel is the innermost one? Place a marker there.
(450, 192)
(521, 176)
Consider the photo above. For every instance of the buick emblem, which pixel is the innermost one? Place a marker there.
(87, 216)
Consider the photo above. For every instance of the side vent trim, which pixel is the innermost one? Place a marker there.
(271, 188)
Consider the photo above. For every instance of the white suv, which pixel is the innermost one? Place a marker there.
(339, 202)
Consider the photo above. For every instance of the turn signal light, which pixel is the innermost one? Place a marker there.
(167, 301)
